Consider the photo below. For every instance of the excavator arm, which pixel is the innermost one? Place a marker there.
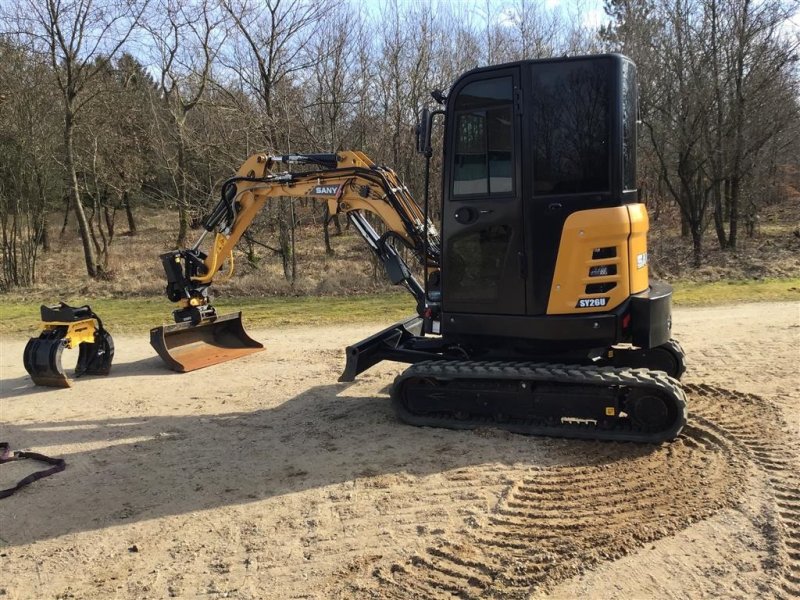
(350, 184)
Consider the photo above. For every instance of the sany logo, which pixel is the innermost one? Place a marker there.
(325, 190)
(591, 302)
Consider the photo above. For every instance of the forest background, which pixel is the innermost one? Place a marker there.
(119, 119)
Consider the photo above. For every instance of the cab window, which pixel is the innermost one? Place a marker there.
(484, 138)
(571, 127)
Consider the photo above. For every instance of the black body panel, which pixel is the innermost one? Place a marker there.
(574, 331)
(651, 315)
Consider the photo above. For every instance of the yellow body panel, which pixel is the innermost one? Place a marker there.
(77, 331)
(637, 248)
(623, 228)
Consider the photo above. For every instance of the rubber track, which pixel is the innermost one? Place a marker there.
(545, 373)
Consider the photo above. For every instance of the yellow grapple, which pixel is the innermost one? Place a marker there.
(65, 326)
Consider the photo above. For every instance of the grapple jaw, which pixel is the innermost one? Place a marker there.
(187, 346)
(65, 326)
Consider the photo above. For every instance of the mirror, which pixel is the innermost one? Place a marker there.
(423, 132)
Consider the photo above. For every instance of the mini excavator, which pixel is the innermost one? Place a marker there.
(535, 312)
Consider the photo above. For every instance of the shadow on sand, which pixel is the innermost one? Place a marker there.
(149, 467)
(23, 386)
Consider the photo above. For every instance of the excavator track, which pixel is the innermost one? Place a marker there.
(572, 401)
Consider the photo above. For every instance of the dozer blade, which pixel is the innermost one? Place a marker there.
(42, 360)
(185, 347)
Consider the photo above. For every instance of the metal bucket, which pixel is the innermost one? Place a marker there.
(185, 347)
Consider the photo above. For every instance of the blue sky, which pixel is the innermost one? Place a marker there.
(590, 12)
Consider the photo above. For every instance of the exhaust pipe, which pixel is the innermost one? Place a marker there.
(186, 347)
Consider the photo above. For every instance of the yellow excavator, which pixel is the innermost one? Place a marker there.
(535, 312)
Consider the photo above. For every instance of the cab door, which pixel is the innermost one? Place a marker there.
(484, 266)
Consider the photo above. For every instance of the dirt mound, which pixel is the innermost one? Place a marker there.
(552, 524)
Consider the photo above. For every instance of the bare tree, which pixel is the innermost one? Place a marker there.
(28, 183)
(187, 38)
(716, 91)
(79, 36)
(270, 47)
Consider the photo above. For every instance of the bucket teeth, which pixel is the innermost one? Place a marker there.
(186, 347)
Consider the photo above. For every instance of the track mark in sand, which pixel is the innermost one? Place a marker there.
(754, 422)
(553, 522)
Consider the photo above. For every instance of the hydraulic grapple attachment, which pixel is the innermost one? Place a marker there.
(186, 347)
(66, 326)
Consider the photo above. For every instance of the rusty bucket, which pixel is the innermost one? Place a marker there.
(186, 347)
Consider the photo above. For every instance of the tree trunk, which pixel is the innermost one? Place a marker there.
(685, 229)
(41, 212)
(183, 204)
(45, 234)
(733, 221)
(110, 217)
(283, 239)
(292, 229)
(67, 206)
(719, 217)
(126, 201)
(326, 220)
(83, 225)
(697, 247)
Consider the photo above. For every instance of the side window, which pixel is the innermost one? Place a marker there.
(629, 110)
(471, 172)
(571, 128)
(484, 138)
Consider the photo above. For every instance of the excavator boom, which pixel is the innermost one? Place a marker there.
(348, 182)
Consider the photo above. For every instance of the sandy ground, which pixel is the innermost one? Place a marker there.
(264, 478)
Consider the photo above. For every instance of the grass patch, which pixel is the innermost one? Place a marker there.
(690, 293)
(138, 315)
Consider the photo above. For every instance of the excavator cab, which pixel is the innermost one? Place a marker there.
(543, 237)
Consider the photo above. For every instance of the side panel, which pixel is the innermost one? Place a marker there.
(637, 247)
(592, 269)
